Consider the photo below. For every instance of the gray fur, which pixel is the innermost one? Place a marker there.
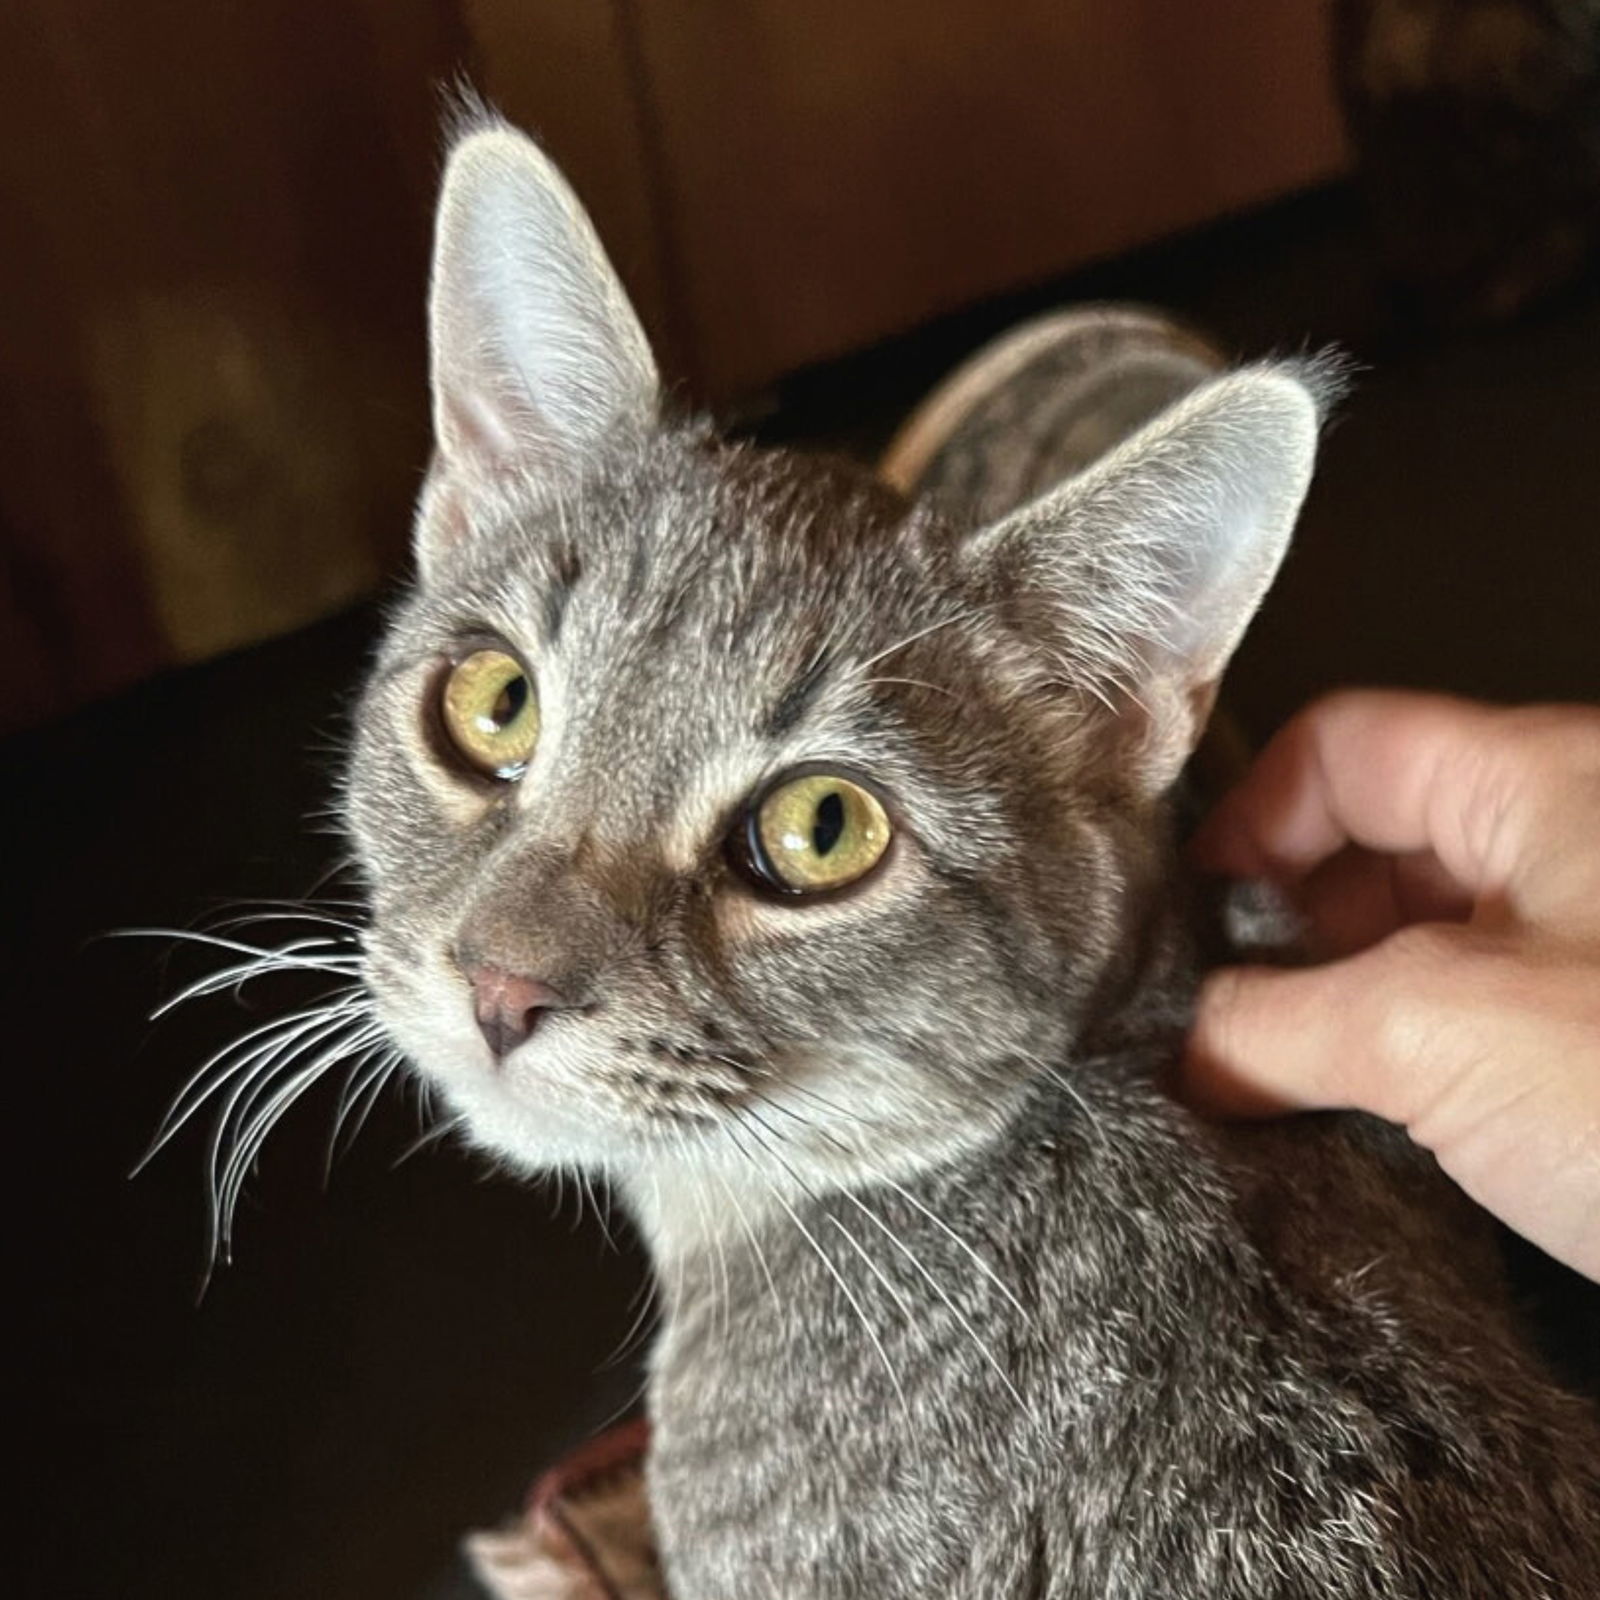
(958, 1301)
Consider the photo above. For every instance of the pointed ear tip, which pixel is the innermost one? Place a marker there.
(1280, 397)
(493, 149)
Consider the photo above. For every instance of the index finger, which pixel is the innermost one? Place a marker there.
(1508, 800)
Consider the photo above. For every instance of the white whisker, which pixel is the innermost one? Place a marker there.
(280, 1032)
(253, 1081)
(264, 1113)
(837, 1276)
(369, 1075)
(921, 633)
(939, 1289)
(429, 1136)
(305, 955)
(1090, 1116)
(271, 959)
(961, 1244)
(751, 1238)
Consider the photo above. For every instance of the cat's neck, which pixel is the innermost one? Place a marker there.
(722, 1196)
(709, 1207)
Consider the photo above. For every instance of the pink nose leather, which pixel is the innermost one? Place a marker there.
(508, 1006)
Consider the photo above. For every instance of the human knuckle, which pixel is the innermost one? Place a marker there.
(1409, 1009)
(1337, 708)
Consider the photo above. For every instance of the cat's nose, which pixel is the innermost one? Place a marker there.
(508, 1005)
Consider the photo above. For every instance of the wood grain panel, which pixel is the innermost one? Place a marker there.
(838, 171)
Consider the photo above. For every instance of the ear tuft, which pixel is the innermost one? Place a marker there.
(463, 111)
(1326, 375)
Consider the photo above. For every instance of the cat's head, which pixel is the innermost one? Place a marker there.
(719, 808)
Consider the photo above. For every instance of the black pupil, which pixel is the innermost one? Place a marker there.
(509, 702)
(829, 824)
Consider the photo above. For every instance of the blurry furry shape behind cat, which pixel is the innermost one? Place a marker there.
(1476, 125)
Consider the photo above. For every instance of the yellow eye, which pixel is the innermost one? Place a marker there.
(490, 713)
(816, 833)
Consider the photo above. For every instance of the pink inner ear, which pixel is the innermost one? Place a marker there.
(442, 522)
(472, 426)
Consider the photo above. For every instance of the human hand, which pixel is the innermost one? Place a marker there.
(1446, 856)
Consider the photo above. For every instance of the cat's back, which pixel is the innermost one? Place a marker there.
(1346, 1404)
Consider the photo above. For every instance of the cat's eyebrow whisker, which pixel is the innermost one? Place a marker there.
(921, 633)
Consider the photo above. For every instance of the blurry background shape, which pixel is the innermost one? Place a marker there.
(1476, 125)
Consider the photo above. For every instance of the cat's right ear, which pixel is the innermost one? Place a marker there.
(1133, 581)
(537, 355)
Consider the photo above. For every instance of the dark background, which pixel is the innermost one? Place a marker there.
(397, 1348)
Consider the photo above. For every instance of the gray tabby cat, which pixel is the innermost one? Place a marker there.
(798, 860)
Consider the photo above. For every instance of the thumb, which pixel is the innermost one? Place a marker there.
(1347, 1033)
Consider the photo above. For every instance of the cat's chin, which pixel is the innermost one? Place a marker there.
(531, 1138)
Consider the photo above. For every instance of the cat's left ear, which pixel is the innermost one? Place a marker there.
(537, 354)
(1135, 580)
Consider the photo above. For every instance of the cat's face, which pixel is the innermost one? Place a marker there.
(711, 636)
(820, 825)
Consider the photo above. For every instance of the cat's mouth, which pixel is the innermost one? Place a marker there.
(664, 1081)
